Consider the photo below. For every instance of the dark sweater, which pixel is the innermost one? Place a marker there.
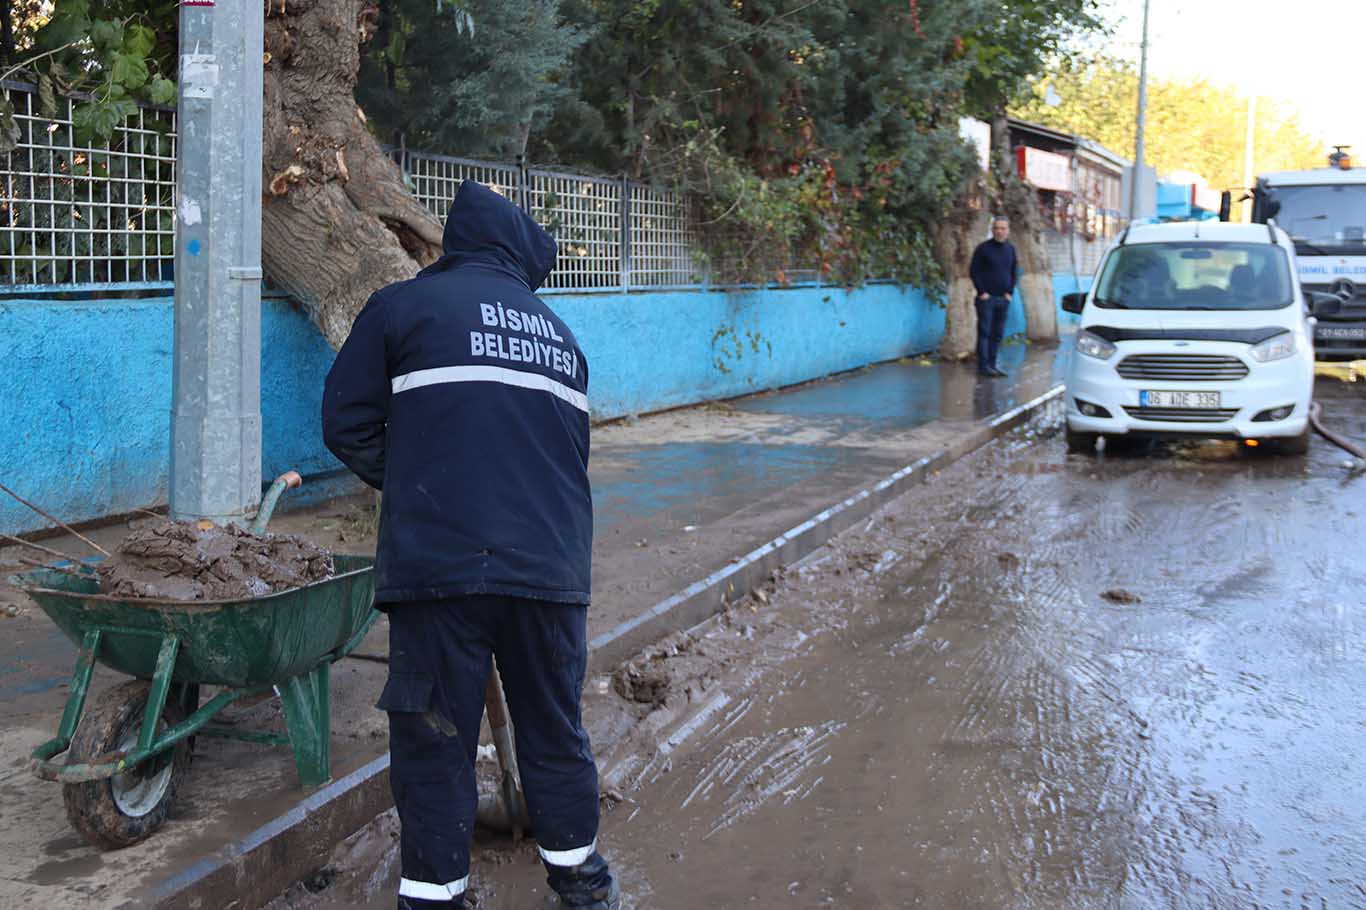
(994, 268)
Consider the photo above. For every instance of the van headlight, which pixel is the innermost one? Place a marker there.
(1278, 347)
(1092, 345)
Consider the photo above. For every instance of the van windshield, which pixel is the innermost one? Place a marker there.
(1319, 217)
(1196, 275)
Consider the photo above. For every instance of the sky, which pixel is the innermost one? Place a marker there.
(1308, 53)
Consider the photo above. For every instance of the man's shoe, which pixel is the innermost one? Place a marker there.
(587, 886)
(608, 898)
(998, 372)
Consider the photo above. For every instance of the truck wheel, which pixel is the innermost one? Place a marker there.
(1081, 443)
(127, 808)
(1291, 445)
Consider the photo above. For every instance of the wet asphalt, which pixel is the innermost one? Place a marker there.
(1129, 680)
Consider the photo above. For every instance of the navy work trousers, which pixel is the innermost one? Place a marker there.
(991, 326)
(439, 662)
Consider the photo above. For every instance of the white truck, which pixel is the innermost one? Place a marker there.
(1324, 212)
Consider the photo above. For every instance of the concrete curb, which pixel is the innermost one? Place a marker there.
(254, 870)
(709, 596)
(257, 869)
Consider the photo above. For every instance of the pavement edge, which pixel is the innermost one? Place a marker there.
(712, 594)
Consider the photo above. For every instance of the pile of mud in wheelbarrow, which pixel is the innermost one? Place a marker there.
(189, 609)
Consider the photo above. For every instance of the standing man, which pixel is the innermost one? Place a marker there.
(463, 397)
(994, 272)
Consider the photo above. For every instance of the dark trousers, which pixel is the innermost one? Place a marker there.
(991, 326)
(439, 661)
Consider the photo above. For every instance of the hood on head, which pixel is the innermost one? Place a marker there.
(483, 225)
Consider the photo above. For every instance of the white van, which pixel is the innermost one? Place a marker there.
(1195, 329)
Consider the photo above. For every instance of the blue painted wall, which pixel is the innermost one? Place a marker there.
(85, 403)
(85, 400)
(1066, 283)
(647, 352)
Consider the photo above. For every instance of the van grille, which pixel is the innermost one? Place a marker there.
(1183, 415)
(1182, 367)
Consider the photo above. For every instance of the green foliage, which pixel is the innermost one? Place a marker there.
(113, 53)
(1192, 125)
(1013, 41)
(446, 86)
(817, 132)
(821, 134)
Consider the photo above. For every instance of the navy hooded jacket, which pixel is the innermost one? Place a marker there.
(464, 398)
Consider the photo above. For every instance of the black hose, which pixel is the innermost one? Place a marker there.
(1315, 412)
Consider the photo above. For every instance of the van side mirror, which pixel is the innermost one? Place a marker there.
(1322, 304)
(1225, 205)
(1075, 302)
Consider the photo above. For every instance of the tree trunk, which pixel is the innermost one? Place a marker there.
(955, 238)
(1020, 204)
(337, 222)
(7, 48)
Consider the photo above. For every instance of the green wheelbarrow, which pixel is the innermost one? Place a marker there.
(124, 756)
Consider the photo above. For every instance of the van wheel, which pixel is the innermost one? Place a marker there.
(1081, 443)
(1291, 445)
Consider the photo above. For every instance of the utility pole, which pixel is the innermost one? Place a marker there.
(216, 388)
(1249, 150)
(1142, 116)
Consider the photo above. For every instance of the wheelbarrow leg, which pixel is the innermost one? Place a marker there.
(161, 687)
(75, 701)
(308, 720)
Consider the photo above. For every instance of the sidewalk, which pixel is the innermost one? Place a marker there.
(680, 499)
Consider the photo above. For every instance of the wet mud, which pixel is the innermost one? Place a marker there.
(185, 561)
(1044, 681)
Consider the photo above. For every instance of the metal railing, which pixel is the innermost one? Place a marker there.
(102, 215)
(613, 234)
(77, 213)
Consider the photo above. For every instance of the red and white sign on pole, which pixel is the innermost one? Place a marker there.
(1045, 170)
(1202, 197)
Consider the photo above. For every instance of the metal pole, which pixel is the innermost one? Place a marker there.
(216, 388)
(1249, 150)
(1142, 116)
(624, 234)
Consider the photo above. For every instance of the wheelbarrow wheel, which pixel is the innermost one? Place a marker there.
(127, 808)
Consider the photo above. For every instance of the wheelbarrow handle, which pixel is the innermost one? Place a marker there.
(286, 481)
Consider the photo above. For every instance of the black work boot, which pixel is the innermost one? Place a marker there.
(587, 886)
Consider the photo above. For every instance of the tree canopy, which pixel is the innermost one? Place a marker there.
(476, 90)
(1192, 125)
(816, 132)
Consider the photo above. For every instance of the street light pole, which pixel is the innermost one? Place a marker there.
(1249, 151)
(1142, 116)
(216, 385)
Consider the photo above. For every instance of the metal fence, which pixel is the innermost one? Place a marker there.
(613, 234)
(73, 212)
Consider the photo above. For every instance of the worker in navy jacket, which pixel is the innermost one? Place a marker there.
(463, 397)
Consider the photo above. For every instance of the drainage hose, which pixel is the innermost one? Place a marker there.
(286, 481)
(1315, 415)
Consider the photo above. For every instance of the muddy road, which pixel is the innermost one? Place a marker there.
(1043, 681)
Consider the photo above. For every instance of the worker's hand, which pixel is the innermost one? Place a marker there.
(983, 296)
